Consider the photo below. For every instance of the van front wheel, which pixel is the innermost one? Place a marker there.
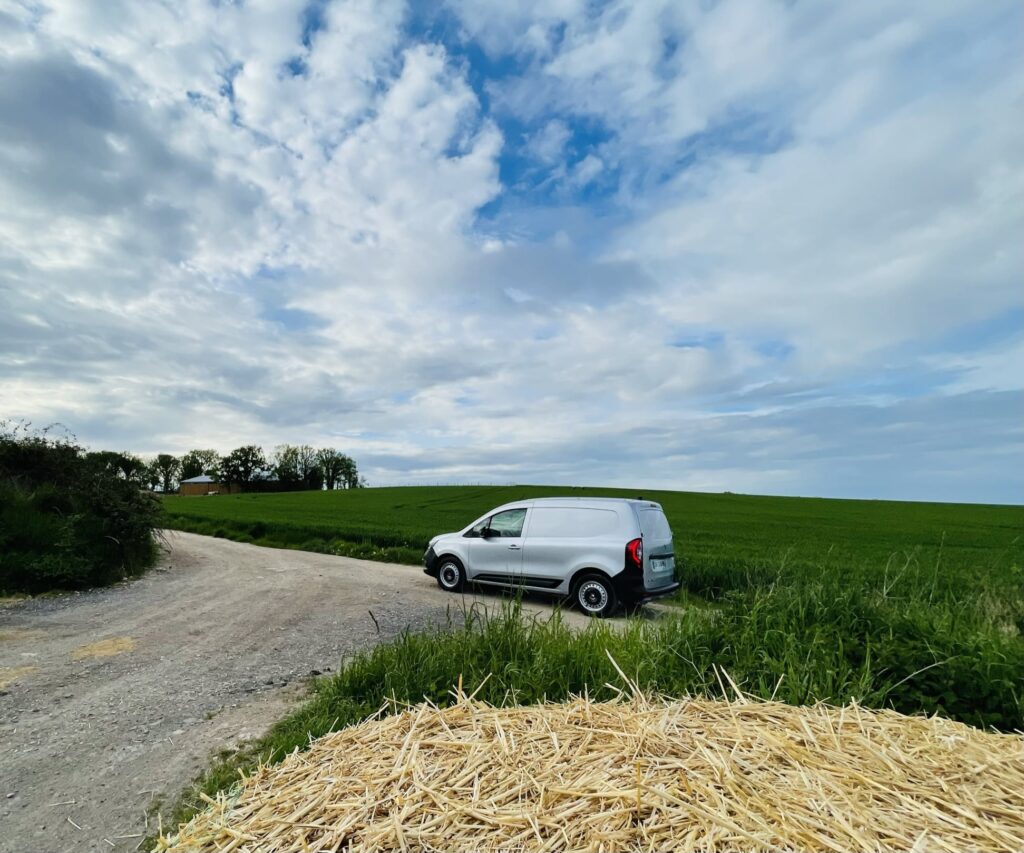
(594, 596)
(450, 575)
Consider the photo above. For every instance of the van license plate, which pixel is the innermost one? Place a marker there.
(662, 566)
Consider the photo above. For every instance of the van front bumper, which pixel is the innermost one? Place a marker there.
(430, 563)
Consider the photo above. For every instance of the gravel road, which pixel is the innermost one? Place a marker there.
(113, 699)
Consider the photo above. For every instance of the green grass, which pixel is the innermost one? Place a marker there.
(917, 607)
(798, 647)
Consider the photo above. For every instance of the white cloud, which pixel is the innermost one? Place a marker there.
(898, 233)
(528, 26)
(756, 235)
(998, 368)
(548, 143)
(586, 170)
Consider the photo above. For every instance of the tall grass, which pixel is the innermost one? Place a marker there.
(883, 647)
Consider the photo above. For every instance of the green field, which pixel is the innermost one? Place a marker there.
(916, 606)
(723, 541)
(913, 606)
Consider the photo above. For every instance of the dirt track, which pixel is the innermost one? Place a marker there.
(115, 698)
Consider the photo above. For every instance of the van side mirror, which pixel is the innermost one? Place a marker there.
(487, 533)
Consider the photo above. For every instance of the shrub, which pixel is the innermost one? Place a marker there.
(67, 522)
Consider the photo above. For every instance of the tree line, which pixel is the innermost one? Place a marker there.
(289, 467)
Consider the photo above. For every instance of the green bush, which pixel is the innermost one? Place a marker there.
(67, 522)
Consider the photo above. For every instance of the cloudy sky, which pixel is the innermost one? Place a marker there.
(747, 246)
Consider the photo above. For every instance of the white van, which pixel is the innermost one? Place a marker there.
(598, 551)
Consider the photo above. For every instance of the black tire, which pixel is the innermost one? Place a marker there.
(451, 576)
(595, 595)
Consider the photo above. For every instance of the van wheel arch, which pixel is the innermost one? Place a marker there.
(587, 570)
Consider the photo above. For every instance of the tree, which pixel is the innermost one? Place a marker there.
(298, 466)
(243, 465)
(168, 466)
(286, 464)
(132, 468)
(327, 459)
(336, 468)
(127, 466)
(152, 476)
(104, 460)
(198, 462)
(350, 474)
(307, 468)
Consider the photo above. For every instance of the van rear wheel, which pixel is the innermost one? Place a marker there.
(450, 575)
(595, 596)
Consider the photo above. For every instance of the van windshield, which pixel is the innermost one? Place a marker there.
(654, 525)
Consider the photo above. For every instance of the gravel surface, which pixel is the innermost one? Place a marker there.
(114, 699)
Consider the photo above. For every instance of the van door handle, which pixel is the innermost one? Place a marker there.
(514, 547)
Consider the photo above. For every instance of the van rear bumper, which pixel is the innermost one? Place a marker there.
(633, 591)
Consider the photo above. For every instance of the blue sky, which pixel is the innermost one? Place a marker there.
(746, 246)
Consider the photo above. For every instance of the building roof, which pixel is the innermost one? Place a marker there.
(202, 478)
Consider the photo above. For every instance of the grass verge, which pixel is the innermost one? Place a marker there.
(317, 540)
(823, 644)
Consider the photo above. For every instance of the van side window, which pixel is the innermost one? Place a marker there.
(653, 524)
(508, 523)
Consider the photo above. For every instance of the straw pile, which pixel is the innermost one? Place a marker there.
(695, 774)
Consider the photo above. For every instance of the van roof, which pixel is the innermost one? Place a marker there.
(579, 500)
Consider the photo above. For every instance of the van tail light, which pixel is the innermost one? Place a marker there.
(635, 555)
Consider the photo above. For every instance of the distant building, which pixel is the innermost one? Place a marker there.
(204, 484)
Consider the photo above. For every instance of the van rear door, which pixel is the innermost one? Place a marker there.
(659, 552)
